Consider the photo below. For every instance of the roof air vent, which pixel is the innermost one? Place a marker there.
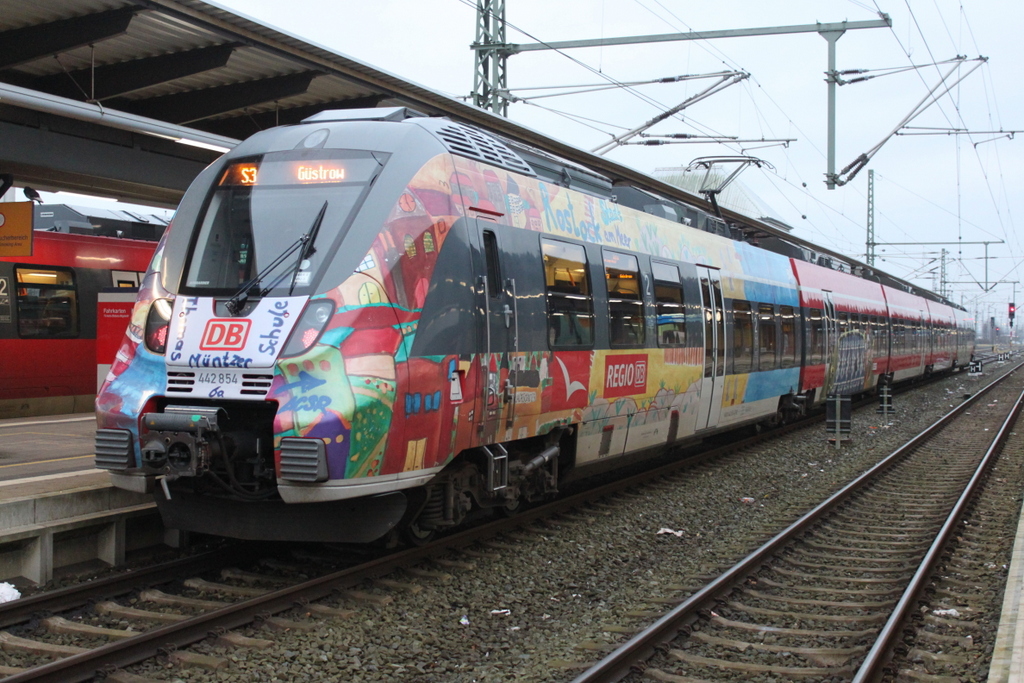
(476, 144)
(380, 114)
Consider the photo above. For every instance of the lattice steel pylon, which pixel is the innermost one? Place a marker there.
(870, 242)
(490, 82)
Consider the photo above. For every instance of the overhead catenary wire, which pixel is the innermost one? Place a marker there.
(854, 167)
(832, 231)
(597, 72)
(598, 87)
(981, 165)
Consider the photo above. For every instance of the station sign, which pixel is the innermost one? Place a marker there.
(16, 228)
(113, 314)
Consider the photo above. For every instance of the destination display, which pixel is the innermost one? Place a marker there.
(269, 171)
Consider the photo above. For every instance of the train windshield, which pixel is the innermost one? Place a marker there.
(261, 206)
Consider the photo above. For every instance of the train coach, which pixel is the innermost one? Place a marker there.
(376, 320)
(48, 318)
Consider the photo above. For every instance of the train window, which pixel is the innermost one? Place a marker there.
(285, 210)
(816, 328)
(742, 337)
(493, 267)
(125, 278)
(570, 306)
(787, 337)
(665, 272)
(767, 340)
(47, 303)
(669, 305)
(625, 303)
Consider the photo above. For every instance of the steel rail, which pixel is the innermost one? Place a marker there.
(617, 664)
(84, 666)
(23, 609)
(871, 668)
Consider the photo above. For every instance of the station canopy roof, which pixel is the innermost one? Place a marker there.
(133, 98)
(91, 91)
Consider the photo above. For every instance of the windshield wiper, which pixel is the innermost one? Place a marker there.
(237, 302)
(307, 248)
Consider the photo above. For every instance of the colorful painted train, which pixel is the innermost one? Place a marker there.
(376, 320)
(48, 318)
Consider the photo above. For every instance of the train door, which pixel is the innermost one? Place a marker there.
(924, 336)
(713, 382)
(831, 342)
(501, 332)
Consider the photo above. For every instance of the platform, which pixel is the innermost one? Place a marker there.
(46, 445)
(56, 510)
(1008, 654)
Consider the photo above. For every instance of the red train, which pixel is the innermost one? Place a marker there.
(48, 318)
(860, 332)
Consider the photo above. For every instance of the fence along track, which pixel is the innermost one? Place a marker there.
(831, 585)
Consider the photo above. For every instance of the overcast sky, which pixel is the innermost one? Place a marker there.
(927, 188)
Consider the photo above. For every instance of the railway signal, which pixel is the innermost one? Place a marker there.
(1012, 312)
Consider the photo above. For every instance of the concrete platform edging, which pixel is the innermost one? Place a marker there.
(60, 505)
(42, 528)
(31, 549)
(1008, 654)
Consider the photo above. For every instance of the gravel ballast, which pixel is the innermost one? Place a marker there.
(544, 603)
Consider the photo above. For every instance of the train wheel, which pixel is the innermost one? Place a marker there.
(417, 536)
(512, 508)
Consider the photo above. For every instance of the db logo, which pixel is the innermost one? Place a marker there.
(225, 334)
(625, 375)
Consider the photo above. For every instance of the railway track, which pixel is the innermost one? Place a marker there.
(826, 599)
(88, 640)
(144, 622)
(954, 632)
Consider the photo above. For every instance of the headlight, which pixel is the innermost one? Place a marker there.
(313, 321)
(157, 323)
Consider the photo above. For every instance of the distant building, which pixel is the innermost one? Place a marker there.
(84, 220)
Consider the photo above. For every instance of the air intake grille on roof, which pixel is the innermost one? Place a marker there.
(114, 449)
(303, 460)
(475, 144)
